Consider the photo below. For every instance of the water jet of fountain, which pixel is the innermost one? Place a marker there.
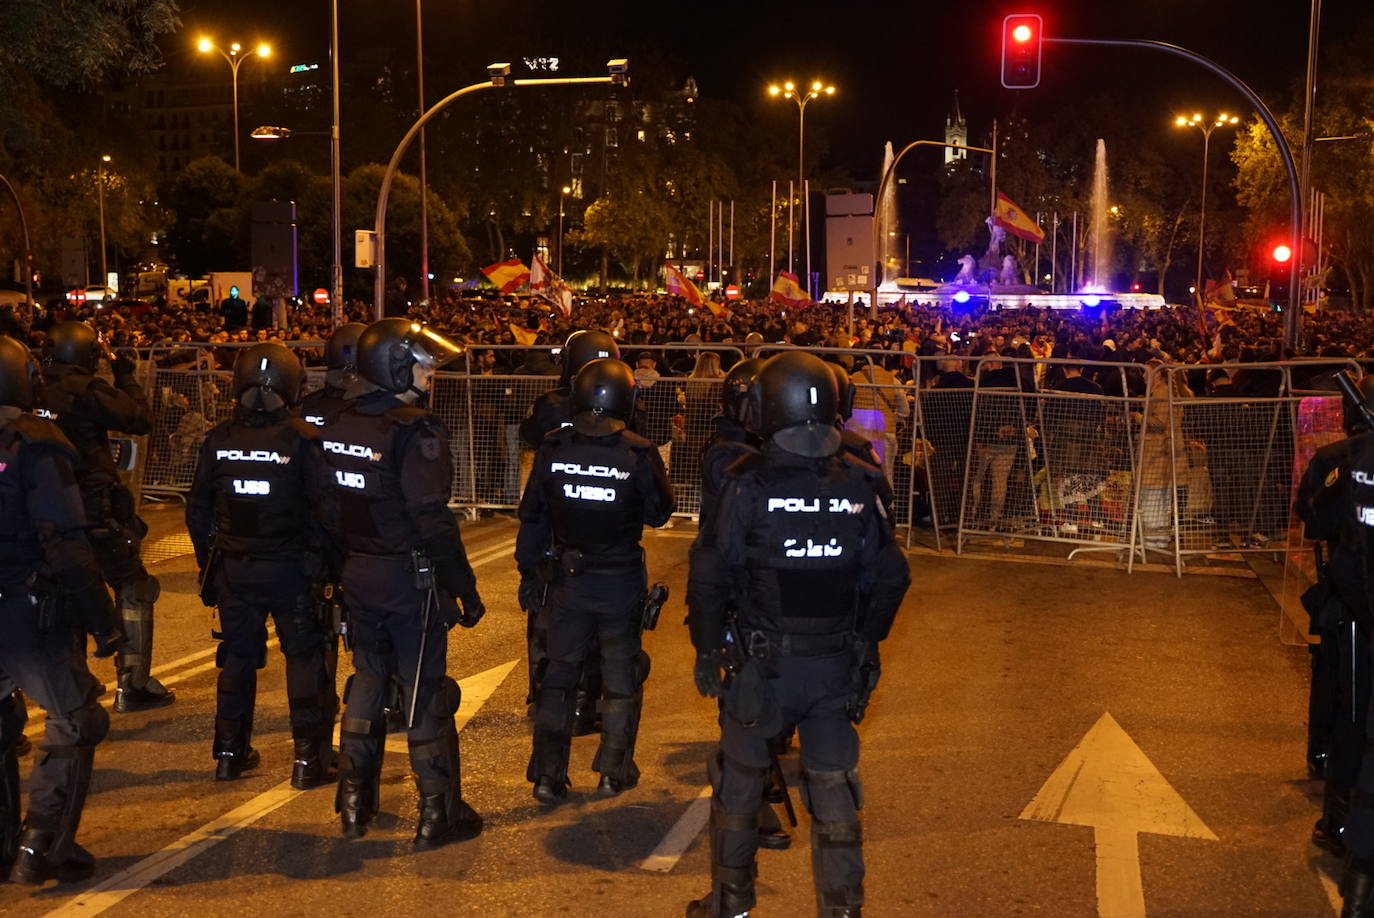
(1099, 241)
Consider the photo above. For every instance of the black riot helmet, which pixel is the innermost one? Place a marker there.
(388, 350)
(739, 397)
(845, 390)
(267, 377)
(17, 371)
(603, 397)
(798, 398)
(342, 351)
(1352, 417)
(582, 347)
(74, 343)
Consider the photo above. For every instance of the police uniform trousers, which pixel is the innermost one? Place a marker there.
(592, 607)
(385, 610)
(249, 590)
(1358, 833)
(50, 667)
(810, 694)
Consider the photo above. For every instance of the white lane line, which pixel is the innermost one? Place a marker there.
(680, 837)
(37, 715)
(103, 896)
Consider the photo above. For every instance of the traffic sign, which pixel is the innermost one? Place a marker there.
(320, 296)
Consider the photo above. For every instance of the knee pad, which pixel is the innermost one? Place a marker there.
(643, 664)
(91, 723)
(222, 655)
(827, 792)
(617, 647)
(300, 633)
(140, 592)
(446, 699)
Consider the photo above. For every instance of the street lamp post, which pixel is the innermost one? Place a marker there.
(567, 190)
(100, 198)
(499, 76)
(1223, 120)
(789, 90)
(28, 250)
(205, 46)
(335, 178)
(424, 184)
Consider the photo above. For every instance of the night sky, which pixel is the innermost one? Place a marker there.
(897, 66)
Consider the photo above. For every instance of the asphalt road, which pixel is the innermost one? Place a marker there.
(994, 673)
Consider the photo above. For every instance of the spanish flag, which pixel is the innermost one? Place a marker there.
(1015, 220)
(678, 285)
(508, 275)
(525, 337)
(787, 291)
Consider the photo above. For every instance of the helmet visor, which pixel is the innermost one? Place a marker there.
(432, 349)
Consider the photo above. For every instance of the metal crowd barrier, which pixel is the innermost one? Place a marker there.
(985, 449)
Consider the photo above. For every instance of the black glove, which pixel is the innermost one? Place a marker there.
(122, 367)
(707, 673)
(530, 593)
(106, 643)
(865, 673)
(473, 610)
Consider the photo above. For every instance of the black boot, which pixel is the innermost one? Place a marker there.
(1357, 889)
(130, 696)
(234, 753)
(441, 824)
(727, 900)
(356, 803)
(771, 833)
(36, 863)
(550, 791)
(1326, 834)
(312, 766)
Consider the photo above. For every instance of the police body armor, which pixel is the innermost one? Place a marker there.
(252, 463)
(362, 452)
(20, 551)
(323, 405)
(592, 511)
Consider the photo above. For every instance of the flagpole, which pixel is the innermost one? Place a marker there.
(1035, 273)
(720, 243)
(1073, 256)
(992, 170)
(773, 233)
(732, 235)
(791, 222)
(1054, 253)
(710, 237)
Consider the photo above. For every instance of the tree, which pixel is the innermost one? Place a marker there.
(448, 249)
(207, 233)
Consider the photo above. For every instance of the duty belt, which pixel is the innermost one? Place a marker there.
(773, 643)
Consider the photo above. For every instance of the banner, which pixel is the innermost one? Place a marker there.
(550, 287)
(1015, 221)
(787, 291)
(508, 276)
(678, 285)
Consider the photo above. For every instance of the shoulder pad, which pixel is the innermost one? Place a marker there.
(41, 432)
(745, 464)
(408, 414)
(559, 434)
(634, 440)
(856, 464)
(304, 428)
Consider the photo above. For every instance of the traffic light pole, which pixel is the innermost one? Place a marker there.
(1292, 320)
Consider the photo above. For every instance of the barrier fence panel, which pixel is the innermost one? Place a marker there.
(1016, 452)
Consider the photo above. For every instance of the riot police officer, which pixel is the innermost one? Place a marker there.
(87, 408)
(1339, 695)
(594, 487)
(250, 514)
(551, 410)
(388, 473)
(801, 551)
(341, 361)
(50, 594)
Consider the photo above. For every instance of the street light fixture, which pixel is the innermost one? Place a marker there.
(235, 61)
(1197, 121)
(789, 90)
(563, 197)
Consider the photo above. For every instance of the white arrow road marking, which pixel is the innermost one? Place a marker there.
(679, 838)
(476, 690)
(1107, 783)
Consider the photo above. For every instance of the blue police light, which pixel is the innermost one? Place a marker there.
(1091, 301)
(961, 297)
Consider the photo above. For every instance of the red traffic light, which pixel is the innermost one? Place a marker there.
(1021, 38)
(1281, 254)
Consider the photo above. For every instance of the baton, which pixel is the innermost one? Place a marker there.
(420, 659)
(781, 782)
